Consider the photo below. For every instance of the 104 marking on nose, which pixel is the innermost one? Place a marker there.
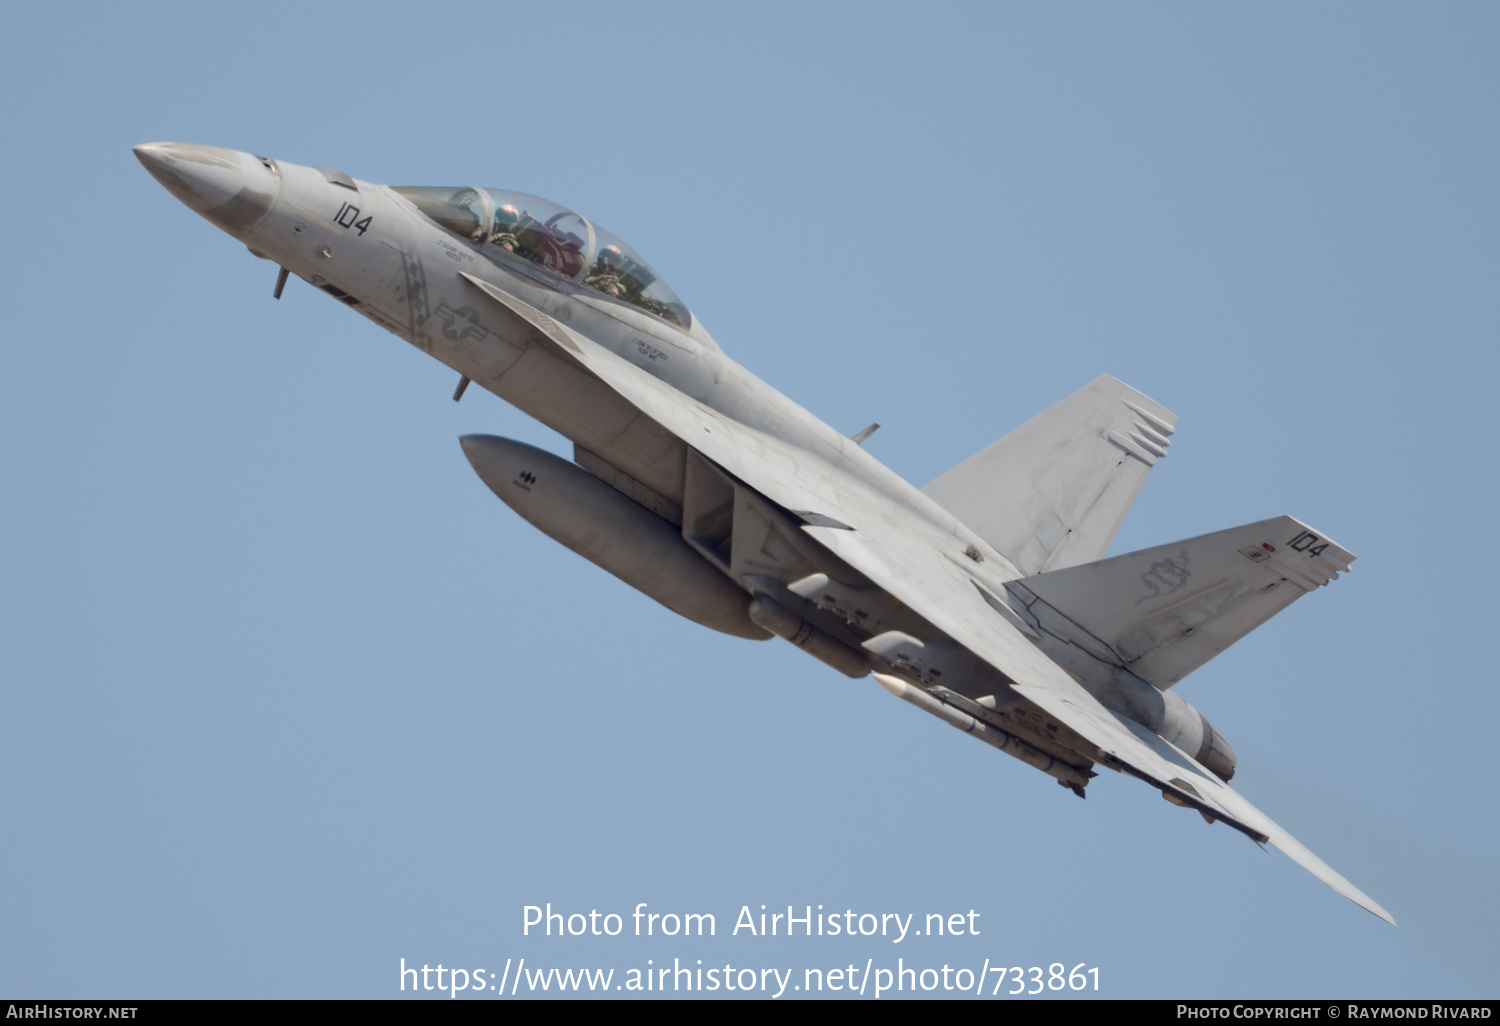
(346, 218)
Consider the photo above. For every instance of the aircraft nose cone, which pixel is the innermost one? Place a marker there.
(233, 190)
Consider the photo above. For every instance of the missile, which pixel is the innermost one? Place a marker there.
(1068, 775)
(572, 506)
(784, 623)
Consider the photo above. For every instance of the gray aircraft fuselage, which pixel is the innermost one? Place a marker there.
(986, 599)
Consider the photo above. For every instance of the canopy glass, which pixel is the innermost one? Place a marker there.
(551, 237)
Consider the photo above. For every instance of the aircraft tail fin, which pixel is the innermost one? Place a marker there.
(1163, 612)
(1054, 492)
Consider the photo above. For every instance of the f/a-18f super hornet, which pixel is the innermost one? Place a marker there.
(983, 598)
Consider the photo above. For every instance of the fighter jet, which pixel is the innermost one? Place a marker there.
(983, 598)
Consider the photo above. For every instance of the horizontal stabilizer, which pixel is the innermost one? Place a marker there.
(1054, 492)
(1165, 611)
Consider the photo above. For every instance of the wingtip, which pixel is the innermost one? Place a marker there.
(1299, 853)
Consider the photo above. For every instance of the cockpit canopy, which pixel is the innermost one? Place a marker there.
(553, 238)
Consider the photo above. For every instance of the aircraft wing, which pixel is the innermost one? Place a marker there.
(908, 557)
(1122, 744)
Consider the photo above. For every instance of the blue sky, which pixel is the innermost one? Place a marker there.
(289, 696)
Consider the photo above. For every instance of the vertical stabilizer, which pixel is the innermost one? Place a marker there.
(1054, 492)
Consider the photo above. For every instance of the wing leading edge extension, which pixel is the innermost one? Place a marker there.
(908, 561)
